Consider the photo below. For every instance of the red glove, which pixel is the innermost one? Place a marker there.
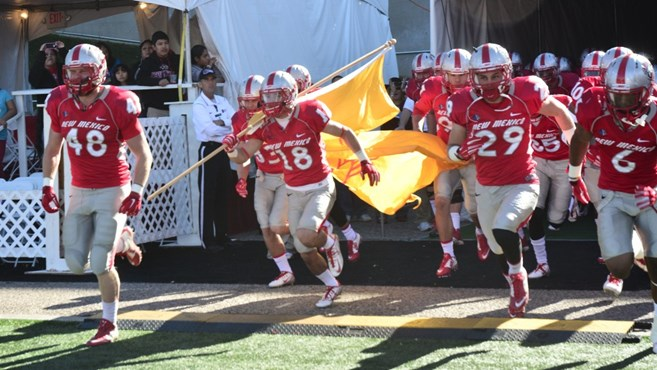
(580, 192)
(645, 197)
(240, 188)
(367, 168)
(230, 141)
(49, 199)
(131, 205)
(470, 147)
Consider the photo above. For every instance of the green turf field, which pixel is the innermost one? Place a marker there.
(59, 345)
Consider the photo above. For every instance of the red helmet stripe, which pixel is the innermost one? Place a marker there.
(457, 60)
(620, 77)
(248, 86)
(76, 53)
(418, 62)
(485, 54)
(617, 52)
(595, 61)
(270, 79)
(542, 63)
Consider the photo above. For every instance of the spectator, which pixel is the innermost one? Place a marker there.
(46, 73)
(7, 110)
(145, 50)
(159, 69)
(122, 76)
(201, 59)
(211, 116)
(112, 63)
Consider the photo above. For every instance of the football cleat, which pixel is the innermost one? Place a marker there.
(283, 279)
(332, 292)
(107, 333)
(447, 266)
(334, 257)
(483, 250)
(519, 294)
(353, 249)
(543, 269)
(327, 227)
(456, 236)
(613, 286)
(130, 250)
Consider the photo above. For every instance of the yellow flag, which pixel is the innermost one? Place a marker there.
(407, 161)
(359, 100)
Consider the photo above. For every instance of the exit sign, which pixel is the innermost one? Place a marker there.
(56, 19)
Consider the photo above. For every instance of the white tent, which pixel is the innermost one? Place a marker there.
(249, 37)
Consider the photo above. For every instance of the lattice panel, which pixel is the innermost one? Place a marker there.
(22, 224)
(170, 214)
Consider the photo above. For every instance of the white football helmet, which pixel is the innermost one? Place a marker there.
(422, 67)
(437, 65)
(278, 93)
(628, 86)
(455, 62)
(250, 91)
(546, 66)
(92, 60)
(516, 62)
(486, 58)
(610, 55)
(301, 76)
(564, 65)
(591, 64)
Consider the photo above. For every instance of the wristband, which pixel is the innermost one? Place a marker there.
(574, 172)
(361, 155)
(47, 181)
(452, 153)
(137, 189)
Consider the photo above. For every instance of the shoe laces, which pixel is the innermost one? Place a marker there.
(105, 328)
(613, 280)
(331, 293)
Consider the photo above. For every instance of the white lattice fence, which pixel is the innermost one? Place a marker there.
(22, 224)
(170, 214)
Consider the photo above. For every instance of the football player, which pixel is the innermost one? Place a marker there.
(546, 66)
(292, 130)
(492, 124)
(269, 198)
(455, 66)
(99, 123)
(337, 215)
(551, 157)
(626, 135)
(421, 69)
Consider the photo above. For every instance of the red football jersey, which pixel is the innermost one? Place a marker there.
(584, 84)
(96, 137)
(594, 100)
(413, 90)
(505, 158)
(567, 80)
(299, 144)
(627, 156)
(546, 135)
(443, 123)
(432, 87)
(267, 160)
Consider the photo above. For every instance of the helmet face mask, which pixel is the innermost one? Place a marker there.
(456, 68)
(491, 72)
(591, 64)
(249, 94)
(84, 69)
(278, 93)
(422, 67)
(628, 86)
(546, 66)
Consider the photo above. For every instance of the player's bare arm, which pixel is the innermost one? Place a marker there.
(578, 145)
(337, 129)
(144, 159)
(565, 119)
(242, 151)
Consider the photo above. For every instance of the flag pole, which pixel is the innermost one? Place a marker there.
(256, 120)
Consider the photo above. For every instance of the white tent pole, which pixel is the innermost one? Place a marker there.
(432, 27)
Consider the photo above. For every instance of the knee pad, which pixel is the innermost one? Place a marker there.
(510, 243)
(101, 260)
(76, 262)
